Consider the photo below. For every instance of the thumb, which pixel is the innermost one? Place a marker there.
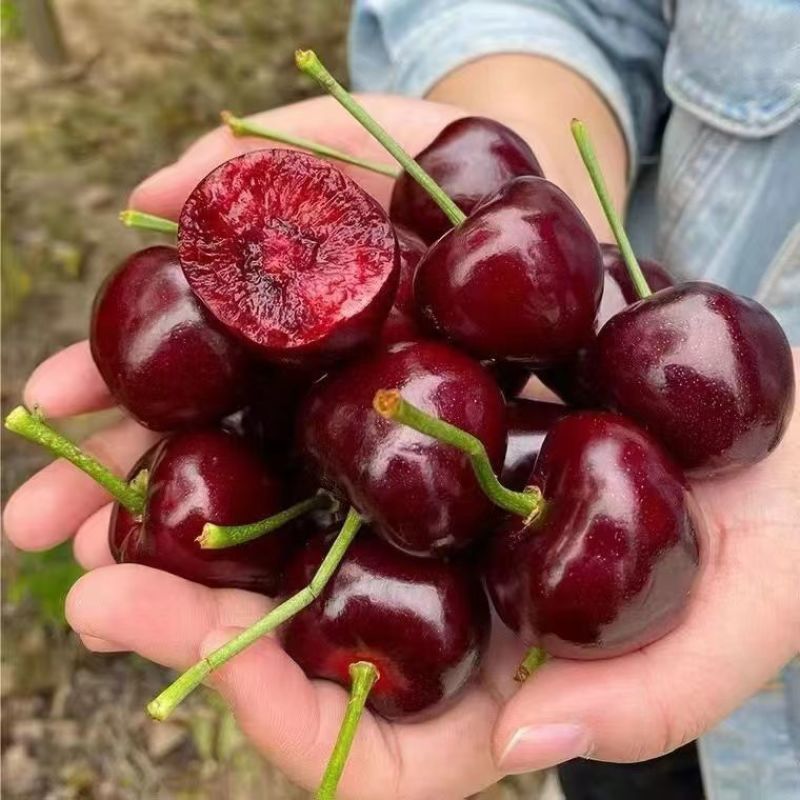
(649, 702)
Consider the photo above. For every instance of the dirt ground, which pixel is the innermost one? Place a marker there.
(143, 80)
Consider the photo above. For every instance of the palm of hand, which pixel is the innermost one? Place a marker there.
(742, 624)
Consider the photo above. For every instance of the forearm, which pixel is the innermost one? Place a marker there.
(538, 98)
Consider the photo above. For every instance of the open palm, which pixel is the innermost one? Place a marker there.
(743, 623)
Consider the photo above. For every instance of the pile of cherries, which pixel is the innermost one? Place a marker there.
(313, 361)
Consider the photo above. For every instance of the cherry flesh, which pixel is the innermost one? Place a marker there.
(419, 494)
(163, 356)
(519, 280)
(608, 566)
(470, 159)
(709, 373)
(198, 477)
(528, 422)
(574, 381)
(424, 624)
(290, 255)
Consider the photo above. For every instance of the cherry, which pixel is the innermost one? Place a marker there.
(511, 378)
(418, 494)
(608, 565)
(574, 381)
(528, 422)
(423, 623)
(290, 255)
(163, 356)
(470, 159)
(193, 478)
(706, 371)
(519, 280)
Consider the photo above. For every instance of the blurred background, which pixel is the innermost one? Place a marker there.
(95, 96)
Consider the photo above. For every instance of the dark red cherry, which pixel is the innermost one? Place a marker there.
(422, 622)
(528, 422)
(164, 358)
(470, 159)
(419, 494)
(519, 280)
(608, 566)
(709, 373)
(194, 478)
(574, 381)
(290, 255)
(411, 249)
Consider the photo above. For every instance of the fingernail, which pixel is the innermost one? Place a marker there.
(540, 746)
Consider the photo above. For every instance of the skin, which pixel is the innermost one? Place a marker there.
(741, 627)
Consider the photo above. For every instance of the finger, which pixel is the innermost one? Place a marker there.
(67, 384)
(49, 507)
(413, 122)
(160, 616)
(650, 702)
(101, 645)
(91, 546)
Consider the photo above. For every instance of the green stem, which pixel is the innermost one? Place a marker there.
(176, 692)
(308, 63)
(215, 537)
(147, 222)
(528, 504)
(363, 676)
(243, 127)
(584, 142)
(33, 428)
(534, 659)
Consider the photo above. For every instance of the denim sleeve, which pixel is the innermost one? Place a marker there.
(406, 46)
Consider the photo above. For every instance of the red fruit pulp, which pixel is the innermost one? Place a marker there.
(290, 255)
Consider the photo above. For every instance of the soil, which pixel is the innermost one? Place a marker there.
(142, 81)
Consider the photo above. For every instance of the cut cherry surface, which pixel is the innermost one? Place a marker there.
(470, 159)
(422, 622)
(419, 494)
(194, 478)
(519, 280)
(164, 357)
(609, 565)
(709, 373)
(290, 255)
(574, 380)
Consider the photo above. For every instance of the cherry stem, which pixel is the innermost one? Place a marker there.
(31, 426)
(363, 675)
(147, 222)
(534, 659)
(528, 504)
(243, 127)
(308, 62)
(215, 537)
(185, 684)
(589, 156)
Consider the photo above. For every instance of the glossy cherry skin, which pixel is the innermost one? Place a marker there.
(198, 477)
(162, 355)
(609, 565)
(709, 373)
(419, 494)
(574, 380)
(290, 255)
(424, 624)
(519, 280)
(470, 159)
(528, 422)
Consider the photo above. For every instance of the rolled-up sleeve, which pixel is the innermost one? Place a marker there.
(407, 46)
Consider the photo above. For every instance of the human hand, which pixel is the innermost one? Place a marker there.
(742, 624)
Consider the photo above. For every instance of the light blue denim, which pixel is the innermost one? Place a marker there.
(707, 93)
